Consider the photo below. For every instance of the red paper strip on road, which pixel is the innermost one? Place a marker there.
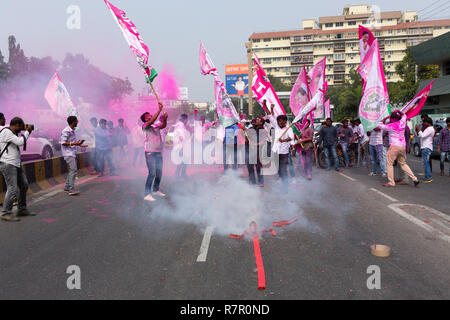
(283, 223)
(259, 264)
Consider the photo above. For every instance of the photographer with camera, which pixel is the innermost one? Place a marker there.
(69, 144)
(11, 168)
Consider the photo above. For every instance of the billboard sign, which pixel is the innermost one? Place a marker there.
(236, 79)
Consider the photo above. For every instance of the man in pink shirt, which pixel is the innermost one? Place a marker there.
(153, 147)
(397, 148)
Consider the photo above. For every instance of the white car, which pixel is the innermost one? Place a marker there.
(37, 148)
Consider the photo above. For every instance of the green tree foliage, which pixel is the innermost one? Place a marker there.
(346, 98)
(82, 79)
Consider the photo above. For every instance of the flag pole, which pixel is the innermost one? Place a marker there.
(287, 130)
(156, 95)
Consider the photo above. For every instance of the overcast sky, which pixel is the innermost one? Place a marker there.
(171, 28)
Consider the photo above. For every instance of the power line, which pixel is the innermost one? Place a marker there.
(434, 12)
(429, 6)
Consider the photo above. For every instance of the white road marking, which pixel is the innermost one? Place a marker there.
(205, 245)
(384, 195)
(396, 208)
(349, 178)
(58, 190)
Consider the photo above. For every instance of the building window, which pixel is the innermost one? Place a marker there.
(267, 40)
(338, 36)
(352, 23)
(328, 25)
(306, 38)
(256, 40)
(339, 24)
(339, 56)
(286, 38)
(276, 39)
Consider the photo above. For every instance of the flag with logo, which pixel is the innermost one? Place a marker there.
(134, 40)
(263, 89)
(59, 99)
(374, 104)
(225, 109)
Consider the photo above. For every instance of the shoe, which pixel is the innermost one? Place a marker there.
(388, 185)
(66, 190)
(416, 183)
(10, 218)
(74, 193)
(442, 173)
(428, 181)
(149, 198)
(309, 178)
(159, 193)
(372, 174)
(384, 175)
(25, 212)
(261, 185)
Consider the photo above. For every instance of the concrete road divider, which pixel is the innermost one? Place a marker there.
(44, 174)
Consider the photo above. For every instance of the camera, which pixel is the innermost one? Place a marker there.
(31, 126)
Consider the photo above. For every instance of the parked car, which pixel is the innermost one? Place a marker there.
(415, 142)
(38, 148)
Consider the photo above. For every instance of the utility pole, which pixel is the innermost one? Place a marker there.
(248, 45)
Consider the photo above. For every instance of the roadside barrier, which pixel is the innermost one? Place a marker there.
(44, 174)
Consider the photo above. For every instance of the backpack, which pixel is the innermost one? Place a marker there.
(7, 145)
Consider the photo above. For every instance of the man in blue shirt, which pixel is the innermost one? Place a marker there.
(104, 148)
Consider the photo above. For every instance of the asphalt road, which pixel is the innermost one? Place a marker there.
(128, 249)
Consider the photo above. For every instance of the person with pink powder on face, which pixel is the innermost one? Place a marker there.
(397, 148)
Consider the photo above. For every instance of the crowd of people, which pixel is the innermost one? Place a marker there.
(384, 147)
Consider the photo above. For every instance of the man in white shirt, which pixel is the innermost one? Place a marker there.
(426, 135)
(376, 152)
(11, 168)
(69, 144)
(363, 143)
(282, 144)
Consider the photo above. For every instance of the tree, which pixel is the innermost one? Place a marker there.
(4, 68)
(346, 98)
(18, 63)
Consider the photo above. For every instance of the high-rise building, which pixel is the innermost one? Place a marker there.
(284, 53)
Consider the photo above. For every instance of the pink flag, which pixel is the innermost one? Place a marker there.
(225, 109)
(300, 93)
(327, 107)
(317, 76)
(263, 89)
(374, 103)
(133, 38)
(366, 39)
(414, 107)
(59, 99)
(311, 106)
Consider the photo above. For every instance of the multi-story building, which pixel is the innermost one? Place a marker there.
(284, 53)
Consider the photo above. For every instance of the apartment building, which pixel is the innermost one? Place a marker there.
(284, 53)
